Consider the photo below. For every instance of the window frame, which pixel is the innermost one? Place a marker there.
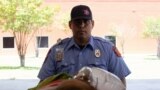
(40, 44)
(12, 46)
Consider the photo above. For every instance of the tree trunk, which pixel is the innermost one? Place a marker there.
(37, 52)
(122, 42)
(158, 48)
(22, 60)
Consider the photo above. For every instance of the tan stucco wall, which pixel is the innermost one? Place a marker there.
(126, 16)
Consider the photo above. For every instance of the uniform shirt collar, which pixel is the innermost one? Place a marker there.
(73, 43)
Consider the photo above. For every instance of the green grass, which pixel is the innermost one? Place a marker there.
(151, 57)
(18, 67)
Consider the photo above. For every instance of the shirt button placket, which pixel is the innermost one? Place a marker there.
(80, 60)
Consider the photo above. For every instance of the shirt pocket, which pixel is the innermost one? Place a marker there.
(98, 62)
(66, 66)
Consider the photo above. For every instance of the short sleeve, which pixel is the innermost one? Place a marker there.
(48, 67)
(117, 65)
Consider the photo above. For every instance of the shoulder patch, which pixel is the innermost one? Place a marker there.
(59, 55)
(116, 51)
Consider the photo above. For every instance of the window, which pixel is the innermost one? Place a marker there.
(8, 42)
(42, 41)
(111, 39)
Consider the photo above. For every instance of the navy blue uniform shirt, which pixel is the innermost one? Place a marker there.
(68, 57)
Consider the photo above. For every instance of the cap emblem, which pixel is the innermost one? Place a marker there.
(86, 12)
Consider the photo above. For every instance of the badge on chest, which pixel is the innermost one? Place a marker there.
(97, 53)
(59, 56)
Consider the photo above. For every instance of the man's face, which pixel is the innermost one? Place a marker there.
(81, 28)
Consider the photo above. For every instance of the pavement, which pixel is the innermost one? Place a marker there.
(145, 73)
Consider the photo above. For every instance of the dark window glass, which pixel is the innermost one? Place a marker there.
(8, 42)
(42, 42)
(111, 39)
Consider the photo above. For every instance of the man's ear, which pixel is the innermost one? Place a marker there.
(92, 23)
(69, 24)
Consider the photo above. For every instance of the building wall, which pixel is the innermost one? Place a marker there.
(126, 16)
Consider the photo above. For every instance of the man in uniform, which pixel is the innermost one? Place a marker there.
(83, 49)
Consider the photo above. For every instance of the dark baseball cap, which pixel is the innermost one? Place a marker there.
(81, 12)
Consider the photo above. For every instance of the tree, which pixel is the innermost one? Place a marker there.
(122, 32)
(23, 18)
(152, 30)
(63, 19)
(64, 22)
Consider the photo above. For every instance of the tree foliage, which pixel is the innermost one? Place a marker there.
(65, 21)
(23, 18)
(152, 27)
(152, 30)
(122, 32)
